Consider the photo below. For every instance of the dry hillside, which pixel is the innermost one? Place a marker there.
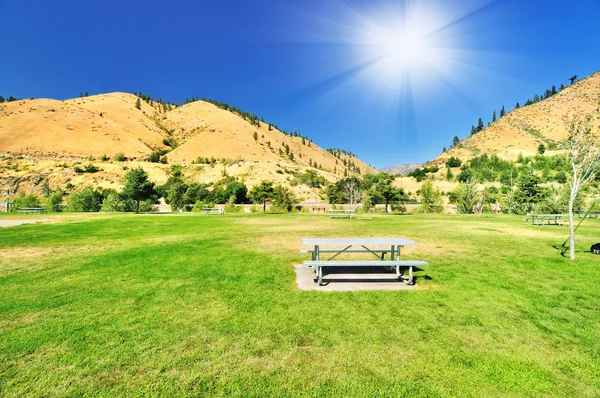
(523, 130)
(47, 139)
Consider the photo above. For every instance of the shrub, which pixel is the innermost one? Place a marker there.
(54, 201)
(26, 200)
(154, 157)
(119, 157)
(104, 158)
(86, 200)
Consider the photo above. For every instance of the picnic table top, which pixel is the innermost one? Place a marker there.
(358, 241)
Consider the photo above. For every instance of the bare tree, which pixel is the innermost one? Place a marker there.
(583, 146)
(352, 191)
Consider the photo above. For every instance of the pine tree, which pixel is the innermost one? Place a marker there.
(502, 111)
(138, 104)
(444, 150)
(479, 125)
(562, 87)
(456, 141)
(473, 130)
(517, 106)
(553, 91)
(494, 117)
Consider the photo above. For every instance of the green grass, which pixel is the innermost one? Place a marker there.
(113, 305)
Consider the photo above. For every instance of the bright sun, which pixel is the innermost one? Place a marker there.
(403, 49)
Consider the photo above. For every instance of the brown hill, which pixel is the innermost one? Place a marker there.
(46, 138)
(523, 130)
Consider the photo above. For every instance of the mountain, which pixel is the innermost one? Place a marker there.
(51, 139)
(523, 130)
(402, 169)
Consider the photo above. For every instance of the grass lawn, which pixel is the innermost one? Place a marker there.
(176, 305)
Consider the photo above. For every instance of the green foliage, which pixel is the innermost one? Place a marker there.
(88, 168)
(431, 198)
(309, 178)
(453, 162)
(284, 198)
(103, 157)
(263, 193)
(54, 201)
(137, 187)
(541, 149)
(119, 157)
(26, 200)
(84, 200)
(466, 196)
(138, 104)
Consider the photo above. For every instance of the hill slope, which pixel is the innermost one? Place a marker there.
(36, 134)
(523, 130)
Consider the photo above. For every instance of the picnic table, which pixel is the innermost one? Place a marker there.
(546, 219)
(591, 214)
(31, 210)
(212, 210)
(341, 213)
(378, 247)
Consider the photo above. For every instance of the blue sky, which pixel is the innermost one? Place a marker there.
(391, 81)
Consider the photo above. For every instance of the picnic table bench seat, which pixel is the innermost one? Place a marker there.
(398, 265)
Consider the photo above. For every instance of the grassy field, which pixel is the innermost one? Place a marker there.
(176, 305)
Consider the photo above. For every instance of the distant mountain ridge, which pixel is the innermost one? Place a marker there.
(402, 169)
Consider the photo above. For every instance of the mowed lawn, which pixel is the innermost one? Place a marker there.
(177, 305)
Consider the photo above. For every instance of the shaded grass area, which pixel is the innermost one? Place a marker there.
(196, 305)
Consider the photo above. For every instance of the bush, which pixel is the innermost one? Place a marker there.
(453, 162)
(26, 200)
(54, 201)
(85, 200)
(104, 158)
(154, 157)
(119, 157)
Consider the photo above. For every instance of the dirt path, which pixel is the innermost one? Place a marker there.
(12, 223)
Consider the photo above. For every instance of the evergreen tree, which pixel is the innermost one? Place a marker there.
(1, 99)
(553, 91)
(536, 99)
(502, 111)
(479, 125)
(444, 150)
(517, 106)
(137, 187)
(455, 141)
(138, 104)
(473, 130)
(494, 117)
(562, 87)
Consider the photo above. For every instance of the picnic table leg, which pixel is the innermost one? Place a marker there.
(410, 280)
(320, 275)
(315, 255)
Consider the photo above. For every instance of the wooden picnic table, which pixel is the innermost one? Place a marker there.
(379, 247)
(546, 219)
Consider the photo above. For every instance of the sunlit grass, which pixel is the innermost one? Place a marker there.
(193, 305)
